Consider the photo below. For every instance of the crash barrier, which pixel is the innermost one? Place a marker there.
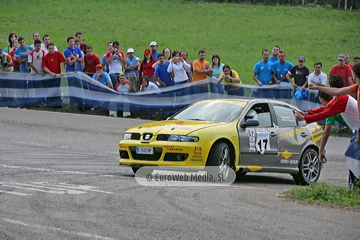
(78, 89)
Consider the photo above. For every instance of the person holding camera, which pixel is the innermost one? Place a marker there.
(115, 59)
(6, 64)
(231, 77)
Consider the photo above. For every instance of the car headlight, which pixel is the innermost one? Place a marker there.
(181, 138)
(131, 136)
(127, 136)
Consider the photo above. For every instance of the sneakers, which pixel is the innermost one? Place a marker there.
(113, 113)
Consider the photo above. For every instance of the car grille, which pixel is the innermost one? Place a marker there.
(146, 157)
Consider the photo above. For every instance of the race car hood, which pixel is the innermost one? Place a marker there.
(179, 127)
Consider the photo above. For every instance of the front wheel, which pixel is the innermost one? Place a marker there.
(309, 168)
(220, 156)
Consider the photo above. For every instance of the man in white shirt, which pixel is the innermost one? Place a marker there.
(319, 78)
(46, 40)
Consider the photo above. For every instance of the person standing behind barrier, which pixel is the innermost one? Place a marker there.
(10, 46)
(154, 52)
(300, 73)
(201, 69)
(74, 59)
(54, 64)
(217, 68)
(146, 69)
(46, 40)
(167, 54)
(232, 77)
(179, 68)
(318, 78)
(15, 61)
(262, 75)
(184, 56)
(103, 59)
(162, 76)
(36, 36)
(275, 54)
(21, 53)
(6, 65)
(115, 59)
(343, 70)
(79, 36)
(279, 70)
(132, 63)
(91, 60)
(74, 56)
(35, 59)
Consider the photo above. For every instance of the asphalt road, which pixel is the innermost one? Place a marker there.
(59, 179)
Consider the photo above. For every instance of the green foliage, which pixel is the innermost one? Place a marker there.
(325, 194)
(236, 32)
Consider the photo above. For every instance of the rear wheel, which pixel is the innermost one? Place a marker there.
(220, 156)
(309, 168)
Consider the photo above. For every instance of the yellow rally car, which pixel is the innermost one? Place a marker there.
(247, 135)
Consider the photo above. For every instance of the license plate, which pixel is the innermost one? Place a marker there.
(144, 150)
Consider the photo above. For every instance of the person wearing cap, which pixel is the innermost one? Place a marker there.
(102, 77)
(300, 73)
(132, 63)
(91, 61)
(154, 52)
(262, 75)
(115, 59)
(146, 69)
(343, 70)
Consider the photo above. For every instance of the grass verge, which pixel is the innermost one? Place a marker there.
(327, 195)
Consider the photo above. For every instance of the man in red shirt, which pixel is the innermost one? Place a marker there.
(343, 70)
(91, 61)
(53, 64)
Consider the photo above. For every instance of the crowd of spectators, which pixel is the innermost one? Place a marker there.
(156, 70)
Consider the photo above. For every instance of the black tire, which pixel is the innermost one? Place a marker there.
(220, 156)
(309, 168)
(240, 173)
(135, 169)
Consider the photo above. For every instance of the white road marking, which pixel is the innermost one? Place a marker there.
(15, 193)
(61, 188)
(49, 229)
(56, 171)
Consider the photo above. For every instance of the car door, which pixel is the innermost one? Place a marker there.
(259, 145)
(292, 136)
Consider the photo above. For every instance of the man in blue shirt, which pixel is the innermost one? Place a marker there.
(21, 53)
(279, 71)
(162, 76)
(154, 52)
(132, 63)
(275, 54)
(262, 75)
(74, 56)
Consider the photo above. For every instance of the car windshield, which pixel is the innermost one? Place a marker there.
(214, 111)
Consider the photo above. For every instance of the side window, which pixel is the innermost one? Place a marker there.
(285, 116)
(261, 113)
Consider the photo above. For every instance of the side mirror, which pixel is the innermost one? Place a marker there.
(250, 122)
